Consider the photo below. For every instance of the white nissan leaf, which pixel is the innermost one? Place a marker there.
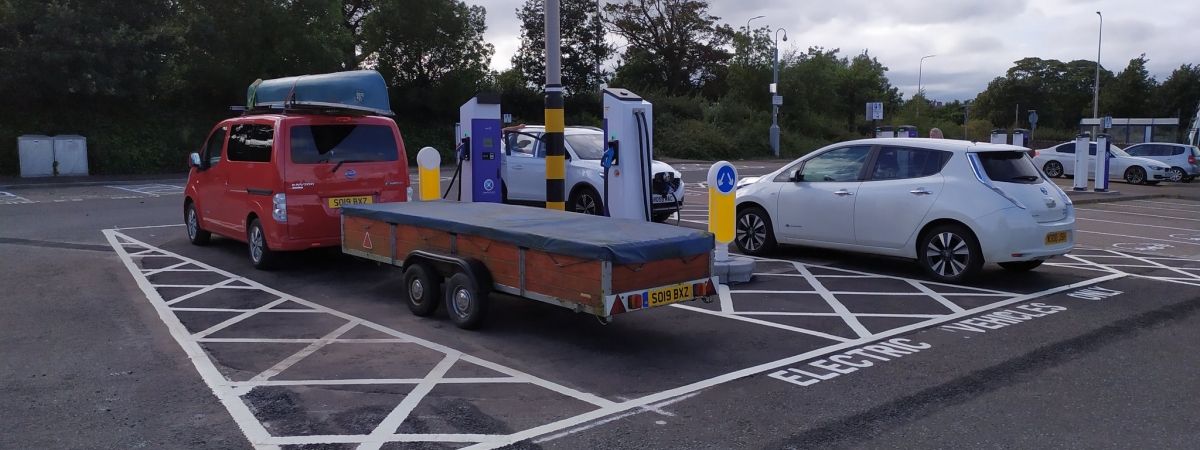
(951, 205)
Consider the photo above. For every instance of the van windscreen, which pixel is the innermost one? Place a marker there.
(314, 144)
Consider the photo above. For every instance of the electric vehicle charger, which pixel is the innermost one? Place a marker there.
(461, 153)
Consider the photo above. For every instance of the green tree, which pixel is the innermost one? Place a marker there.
(584, 49)
(864, 80)
(431, 51)
(675, 44)
(1179, 95)
(1060, 92)
(1130, 93)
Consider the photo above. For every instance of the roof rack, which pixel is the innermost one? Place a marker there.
(300, 109)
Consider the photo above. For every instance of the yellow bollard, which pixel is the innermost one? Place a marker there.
(429, 165)
(722, 179)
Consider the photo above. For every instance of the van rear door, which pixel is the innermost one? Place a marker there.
(336, 161)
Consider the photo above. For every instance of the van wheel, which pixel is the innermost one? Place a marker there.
(260, 254)
(465, 301)
(950, 253)
(421, 289)
(196, 234)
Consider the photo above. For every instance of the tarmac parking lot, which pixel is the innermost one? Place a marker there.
(120, 334)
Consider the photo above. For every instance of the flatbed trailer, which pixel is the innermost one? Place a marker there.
(589, 264)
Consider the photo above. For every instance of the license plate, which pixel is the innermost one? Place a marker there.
(338, 202)
(671, 294)
(659, 199)
(1057, 237)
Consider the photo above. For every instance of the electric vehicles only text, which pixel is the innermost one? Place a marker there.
(524, 172)
(951, 205)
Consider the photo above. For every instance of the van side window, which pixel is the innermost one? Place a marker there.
(251, 143)
(212, 149)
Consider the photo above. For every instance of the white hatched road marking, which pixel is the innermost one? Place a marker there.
(229, 392)
(153, 190)
(12, 199)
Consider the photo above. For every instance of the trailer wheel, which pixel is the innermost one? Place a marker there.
(421, 289)
(465, 302)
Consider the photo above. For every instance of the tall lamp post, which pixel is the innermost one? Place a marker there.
(920, 70)
(774, 91)
(749, 39)
(1096, 90)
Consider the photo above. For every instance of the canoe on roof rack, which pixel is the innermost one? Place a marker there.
(357, 90)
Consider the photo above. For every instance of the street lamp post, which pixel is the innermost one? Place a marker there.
(920, 70)
(749, 40)
(774, 91)
(748, 23)
(1096, 90)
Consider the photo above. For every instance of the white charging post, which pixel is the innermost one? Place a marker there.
(1102, 143)
(1081, 163)
(629, 129)
(999, 136)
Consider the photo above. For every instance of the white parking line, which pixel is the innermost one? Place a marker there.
(1137, 224)
(1156, 208)
(1186, 205)
(1138, 237)
(1136, 214)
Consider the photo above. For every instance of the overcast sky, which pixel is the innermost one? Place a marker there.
(974, 40)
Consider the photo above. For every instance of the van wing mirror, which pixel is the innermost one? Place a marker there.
(194, 160)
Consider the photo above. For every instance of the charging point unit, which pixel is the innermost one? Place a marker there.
(1020, 137)
(999, 136)
(1081, 163)
(1102, 148)
(629, 144)
(479, 149)
(885, 131)
(906, 131)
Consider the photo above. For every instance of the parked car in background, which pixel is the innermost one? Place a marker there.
(524, 172)
(951, 205)
(1180, 158)
(1059, 160)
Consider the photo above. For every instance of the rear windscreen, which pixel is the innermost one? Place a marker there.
(1009, 167)
(313, 144)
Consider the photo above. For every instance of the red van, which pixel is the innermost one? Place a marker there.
(277, 181)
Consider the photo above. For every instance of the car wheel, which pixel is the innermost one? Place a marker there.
(465, 301)
(421, 289)
(196, 234)
(1135, 175)
(950, 253)
(1177, 175)
(1022, 266)
(586, 201)
(260, 253)
(1053, 169)
(753, 232)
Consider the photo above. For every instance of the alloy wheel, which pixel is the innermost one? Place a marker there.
(1053, 169)
(193, 225)
(256, 244)
(1135, 176)
(1177, 174)
(948, 254)
(585, 204)
(751, 232)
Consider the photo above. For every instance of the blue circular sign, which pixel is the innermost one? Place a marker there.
(488, 185)
(726, 179)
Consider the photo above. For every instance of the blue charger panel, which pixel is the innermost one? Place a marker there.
(485, 160)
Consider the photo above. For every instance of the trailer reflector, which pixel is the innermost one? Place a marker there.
(618, 307)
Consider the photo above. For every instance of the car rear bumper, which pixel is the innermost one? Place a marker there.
(1011, 235)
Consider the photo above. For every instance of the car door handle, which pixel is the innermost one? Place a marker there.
(919, 191)
(843, 193)
(518, 167)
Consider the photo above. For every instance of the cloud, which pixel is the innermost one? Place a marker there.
(975, 40)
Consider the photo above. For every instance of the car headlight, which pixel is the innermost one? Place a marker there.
(1158, 168)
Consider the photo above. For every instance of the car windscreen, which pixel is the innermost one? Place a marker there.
(1009, 167)
(1117, 151)
(313, 144)
(587, 145)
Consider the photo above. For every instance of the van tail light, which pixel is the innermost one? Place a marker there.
(279, 207)
(342, 119)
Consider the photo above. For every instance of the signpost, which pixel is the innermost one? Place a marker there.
(874, 113)
(508, 118)
(777, 100)
(722, 179)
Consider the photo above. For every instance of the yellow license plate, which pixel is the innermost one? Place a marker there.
(1056, 237)
(338, 202)
(671, 294)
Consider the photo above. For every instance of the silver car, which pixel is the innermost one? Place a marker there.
(1181, 158)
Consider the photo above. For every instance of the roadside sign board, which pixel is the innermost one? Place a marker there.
(508, 118)
(1107, 122)
(875, 111)
(777, 100)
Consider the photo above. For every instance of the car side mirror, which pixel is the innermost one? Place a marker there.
(796, 176)
(194, 160)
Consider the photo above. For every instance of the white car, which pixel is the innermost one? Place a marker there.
(1181, 158)
(524, 172)
(951, 205)
(1059, 161)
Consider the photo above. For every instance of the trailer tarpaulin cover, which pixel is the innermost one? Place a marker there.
(619, 241)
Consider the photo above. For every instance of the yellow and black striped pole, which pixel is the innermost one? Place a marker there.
(556, 151)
